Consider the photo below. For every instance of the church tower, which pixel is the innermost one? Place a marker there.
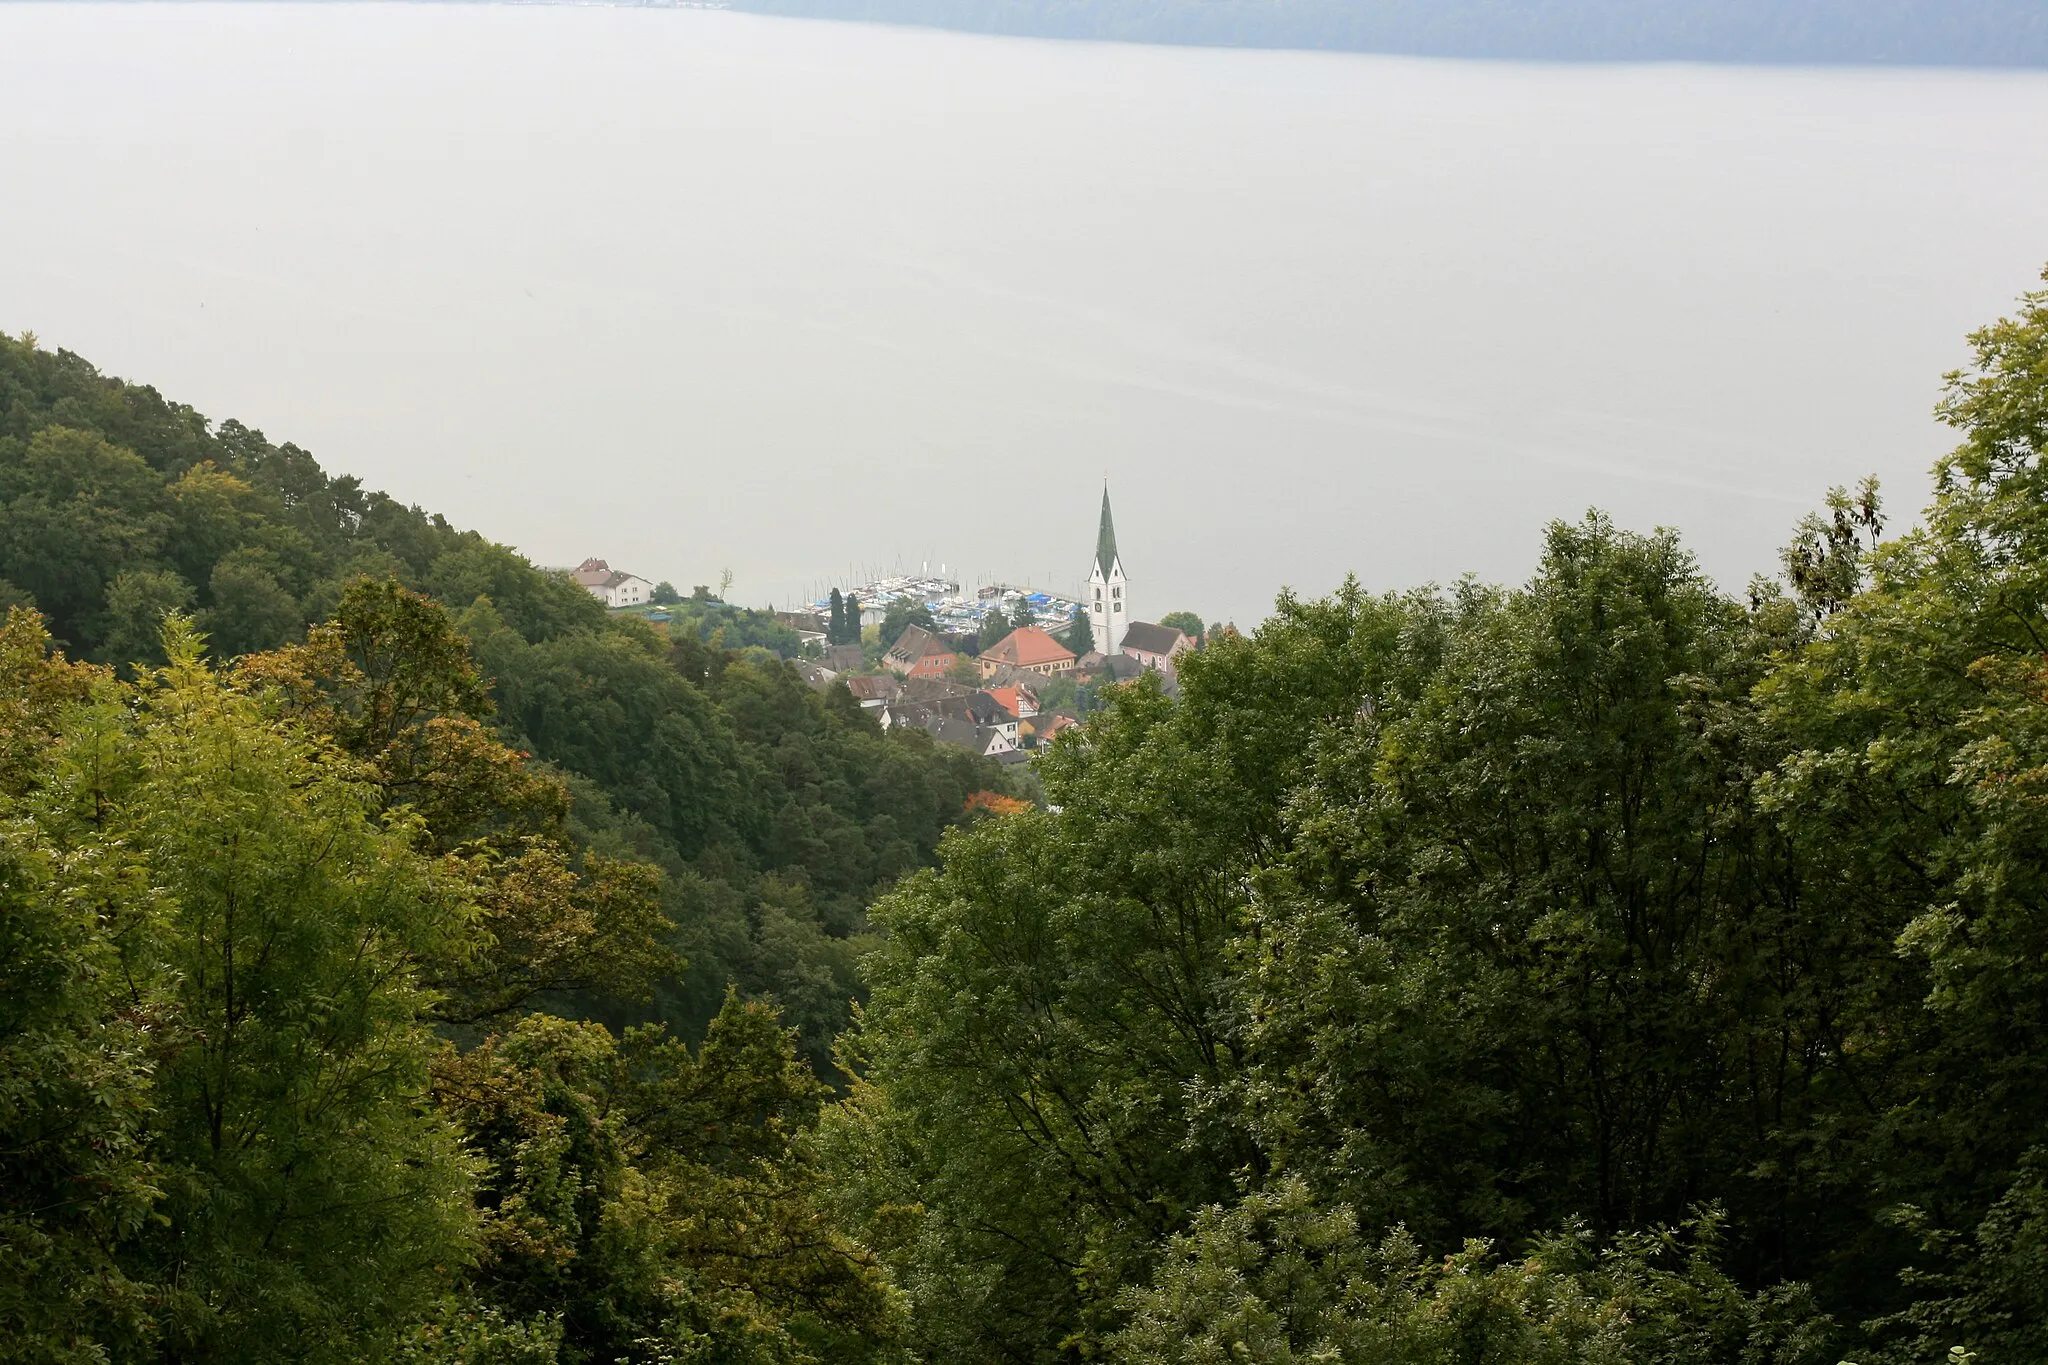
(1109, 603)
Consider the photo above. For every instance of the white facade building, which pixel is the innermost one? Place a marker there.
(613, 587)
(1109, 606)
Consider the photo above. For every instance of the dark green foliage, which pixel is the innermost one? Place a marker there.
(1532, 868)
(1913, 792)
(1079, 635)
(539, 606)
(642, 1201)
(1600, 970)
(903, 614)
(74, 1048)
(212, 953)
(721, 626)
(238, 905)
(391, 683)
(775, 812)
(838, 631)
(1597, 970)
(1276, 1278)
(230, 1132)
(994, 627)
(78, 510)
(1091, 944)
(774, 815)
(1455, 908)
(101, 480)
(1186, 622)
(138, 601)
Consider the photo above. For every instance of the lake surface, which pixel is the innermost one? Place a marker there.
(696, 290)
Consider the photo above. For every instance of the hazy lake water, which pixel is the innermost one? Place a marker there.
(695, 290)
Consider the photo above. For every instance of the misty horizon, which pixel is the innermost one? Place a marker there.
(694, 291)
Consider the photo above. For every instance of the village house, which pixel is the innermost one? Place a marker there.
(950, 722)
(1114, 668)
(985, 740)
(1019, 700)
(915, 714)
(1030, 649)
(1039, 731)
(873, 692)
(809, 626)
(613, 587)
(1155, 646)
(982, 711)
(918, 653)
(932, 689)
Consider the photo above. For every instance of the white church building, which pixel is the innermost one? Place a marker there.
(1109, 605)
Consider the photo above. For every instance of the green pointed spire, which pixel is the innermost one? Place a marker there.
(1105, 539)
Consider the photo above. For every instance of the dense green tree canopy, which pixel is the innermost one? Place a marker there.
(768, 813)
(1687, 949)
(233, 1131)
(1079, 635)
(1600, 969)
(253, 957)
(903, 614)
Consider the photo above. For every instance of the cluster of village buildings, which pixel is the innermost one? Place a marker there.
(953, 610)
(997, 715)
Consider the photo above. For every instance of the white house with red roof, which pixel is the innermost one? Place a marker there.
(613, 587)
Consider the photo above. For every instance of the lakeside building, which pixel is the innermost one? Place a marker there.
(1109, 598)
(1030, 649)
(613, 587)
(918, 653)
(1123, 648)
(809, 626)
(1155, 646)
(1019, 700)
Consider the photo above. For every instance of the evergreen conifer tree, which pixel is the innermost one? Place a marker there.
(1080, 634)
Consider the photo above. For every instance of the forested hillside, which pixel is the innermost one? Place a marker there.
(1902, 32)
(1599, 970)
(772, 812)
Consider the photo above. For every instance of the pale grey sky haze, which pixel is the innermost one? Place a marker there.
(695, 290)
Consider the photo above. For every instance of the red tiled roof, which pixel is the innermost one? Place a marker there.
(1027, 646)
(918, 643)
(1008, 697)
